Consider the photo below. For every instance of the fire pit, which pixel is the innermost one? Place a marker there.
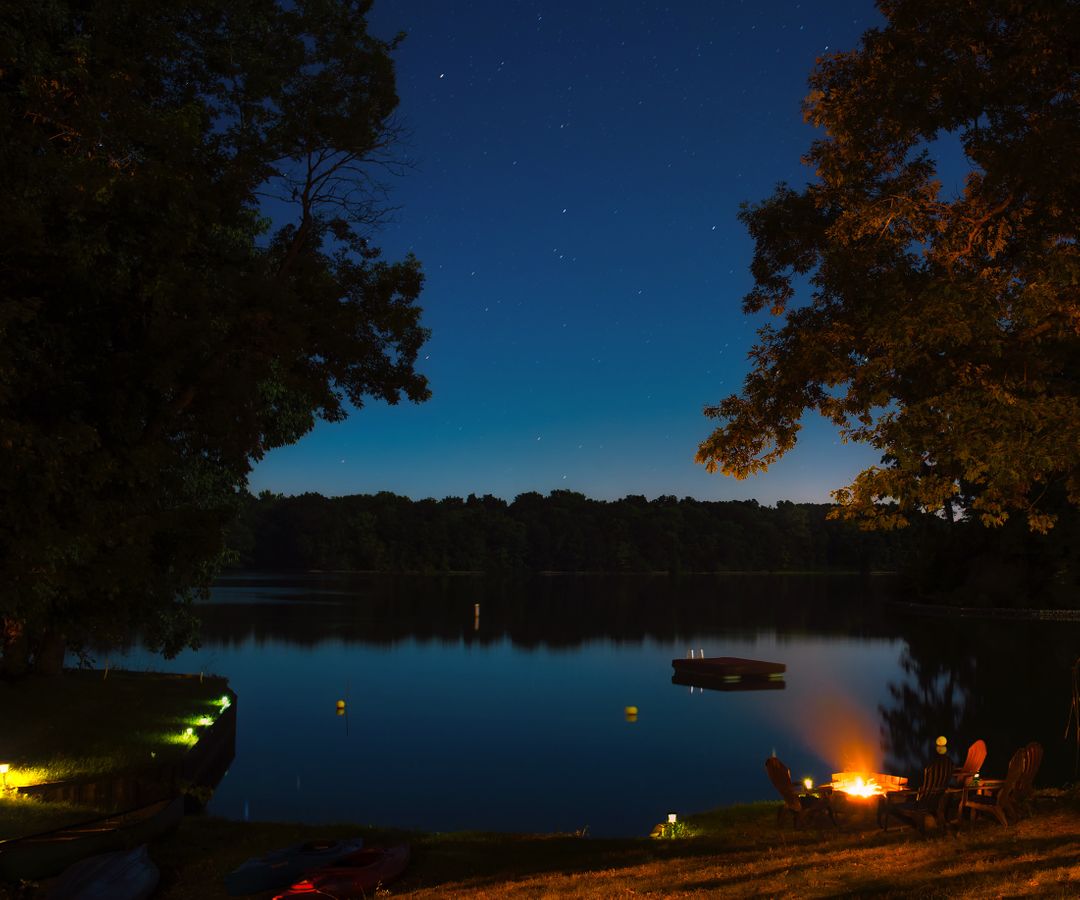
(865, 784)
(855, 795)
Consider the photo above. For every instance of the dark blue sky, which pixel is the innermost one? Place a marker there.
(579, 167)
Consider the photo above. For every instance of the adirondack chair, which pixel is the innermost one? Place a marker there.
(1024, 796)
(998, 797)
(976, 756)
(803, 807)
(918, 807)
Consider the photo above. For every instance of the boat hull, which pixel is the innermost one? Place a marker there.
(355, 876)
(43, 855)
(280, 868)
(120, 875)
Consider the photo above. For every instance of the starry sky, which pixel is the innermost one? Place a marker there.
(577, 168)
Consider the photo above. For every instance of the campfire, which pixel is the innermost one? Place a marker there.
(866, 784)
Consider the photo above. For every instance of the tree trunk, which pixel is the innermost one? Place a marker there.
(49, 655)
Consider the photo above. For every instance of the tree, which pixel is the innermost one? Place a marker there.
(942, 330)
(157, 334)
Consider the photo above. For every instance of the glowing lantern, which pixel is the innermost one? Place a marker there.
(808, 783)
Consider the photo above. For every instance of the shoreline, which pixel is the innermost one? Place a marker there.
(734, 851)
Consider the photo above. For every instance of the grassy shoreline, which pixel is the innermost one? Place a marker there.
(733, 851)
(120, 722)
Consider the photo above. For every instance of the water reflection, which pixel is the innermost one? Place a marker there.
(1004, 682)
(555, 611)
(511, 716)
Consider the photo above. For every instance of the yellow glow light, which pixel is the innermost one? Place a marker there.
(204, 721)
(22, 776)
(808, 783)
(942, 741)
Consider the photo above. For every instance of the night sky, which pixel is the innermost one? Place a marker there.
(578, 167)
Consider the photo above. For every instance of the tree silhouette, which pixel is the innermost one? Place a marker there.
(941, 330)
(159, 335)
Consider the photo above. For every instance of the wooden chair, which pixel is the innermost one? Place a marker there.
(998, 797)
(916, 807)
(803, 807)
(976, 756)
(1024, 795)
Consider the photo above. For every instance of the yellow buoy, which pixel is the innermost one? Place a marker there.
(942, 741)
(341, 704)
(631, 710)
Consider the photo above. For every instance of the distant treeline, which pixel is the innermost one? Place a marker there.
(565, 532)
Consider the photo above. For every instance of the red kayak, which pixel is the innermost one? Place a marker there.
(353, 876)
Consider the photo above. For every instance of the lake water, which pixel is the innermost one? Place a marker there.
(515, 721)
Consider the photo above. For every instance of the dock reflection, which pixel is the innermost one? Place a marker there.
(716, 683)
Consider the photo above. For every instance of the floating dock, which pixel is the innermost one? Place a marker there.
(729, 673)
(728, 667)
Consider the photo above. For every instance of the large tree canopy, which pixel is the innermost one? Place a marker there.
(943, 326)
(157, 334)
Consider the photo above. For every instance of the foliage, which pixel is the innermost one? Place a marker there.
(564, 531)
(156, 334)
(943, 329)
(670, 831)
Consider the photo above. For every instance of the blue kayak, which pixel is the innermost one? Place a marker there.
(121, 875)
(280, 868)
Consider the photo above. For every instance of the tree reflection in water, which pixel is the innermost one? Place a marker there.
(1006, 682)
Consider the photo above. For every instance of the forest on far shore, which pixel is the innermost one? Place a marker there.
(562, 532)
(566, 531)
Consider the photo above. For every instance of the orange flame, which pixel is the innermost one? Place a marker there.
(858, 787)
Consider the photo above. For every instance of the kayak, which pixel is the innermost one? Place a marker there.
(39, 856)
(121, 875)
(354, 876)
(281, 867)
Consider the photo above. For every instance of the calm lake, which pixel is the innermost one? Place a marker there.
(515, 720)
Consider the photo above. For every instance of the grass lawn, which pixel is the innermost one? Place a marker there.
(733, 852)
(83, 725)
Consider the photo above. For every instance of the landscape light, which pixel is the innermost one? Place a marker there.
(4, 767)
(225, 702)
(671, 818)
(808, 783)
(204, 721)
